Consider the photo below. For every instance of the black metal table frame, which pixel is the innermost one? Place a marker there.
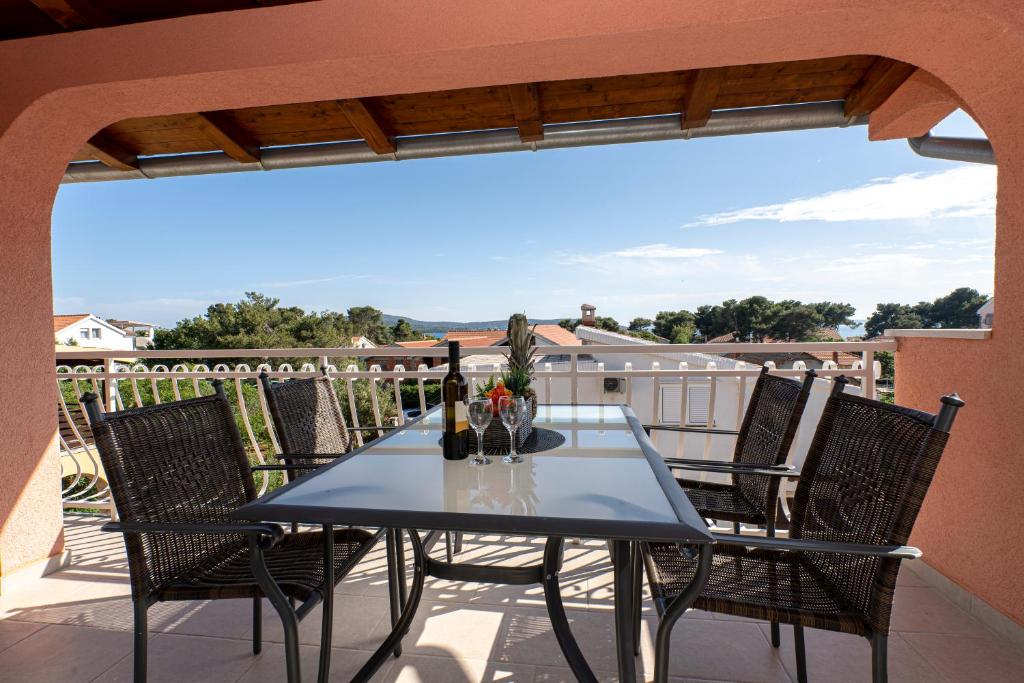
(622, 536)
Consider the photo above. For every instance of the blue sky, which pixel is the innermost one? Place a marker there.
(632, 229)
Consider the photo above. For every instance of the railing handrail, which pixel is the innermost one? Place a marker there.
(884, 344)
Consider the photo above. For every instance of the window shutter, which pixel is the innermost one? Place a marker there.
(698, 397)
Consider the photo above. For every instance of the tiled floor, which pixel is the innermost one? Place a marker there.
(75, 626)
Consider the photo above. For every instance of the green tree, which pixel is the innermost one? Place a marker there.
(836, 314)
(640, 324)
(794, 321)
(369, 322)
(403, 331)
(665, 323)
(569, 324)
(959, 308)
(605, 323)
(891, 316)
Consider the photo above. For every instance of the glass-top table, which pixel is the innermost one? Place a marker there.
(605, 481)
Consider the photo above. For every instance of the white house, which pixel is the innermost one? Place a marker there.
(91, 332)
(985, 313)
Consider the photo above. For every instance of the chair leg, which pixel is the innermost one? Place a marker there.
(458, 542)
(801, 654)
(449, 550)
(141, 641)
(776, 636)
(879, 658)
(736, 528)
(638, 593)
(257, 625)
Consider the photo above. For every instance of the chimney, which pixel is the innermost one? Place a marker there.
(587, 318)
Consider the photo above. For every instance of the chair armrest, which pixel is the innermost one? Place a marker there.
(760, 471)
(370, 429)
(694, 430)
(307, 456)
(902, 552)
(269, 534)
(728, 463)
(282, 468)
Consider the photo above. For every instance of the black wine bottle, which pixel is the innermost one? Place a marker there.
(456, 422)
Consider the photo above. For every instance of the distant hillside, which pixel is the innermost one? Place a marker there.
(436, 326)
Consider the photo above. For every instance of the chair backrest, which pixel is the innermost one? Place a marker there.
(864, 481)
(181, 462)
(307, 417)
(767, 432)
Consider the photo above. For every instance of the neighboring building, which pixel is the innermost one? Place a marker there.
(362, 343)
(986, 312)
(141, 331)
(87, 331)
(813, 360)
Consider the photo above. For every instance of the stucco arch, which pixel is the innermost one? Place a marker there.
(56, 91)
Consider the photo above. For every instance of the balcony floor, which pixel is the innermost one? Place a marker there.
(75, 626)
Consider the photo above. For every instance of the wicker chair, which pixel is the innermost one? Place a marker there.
(312, 431)
(176, 473)
(762, 446)
(863, 483)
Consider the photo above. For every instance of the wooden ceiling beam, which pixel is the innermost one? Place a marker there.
(368, 125)
(74, 15)
(880, 81)
(111, 153)
(525, 100)
(236, 142)
(699, 103)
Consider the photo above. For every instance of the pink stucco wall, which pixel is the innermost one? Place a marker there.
(56, 91)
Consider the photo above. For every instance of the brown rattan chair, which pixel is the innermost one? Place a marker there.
(176, 473)
(312, 432)
(863, 482)
(762, 446)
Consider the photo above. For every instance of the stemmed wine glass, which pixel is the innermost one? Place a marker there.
(480, 412)
(512, 410)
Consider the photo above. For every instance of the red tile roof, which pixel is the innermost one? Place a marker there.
(418, 344)
(62, 321)
(475, 337)
(557, 334)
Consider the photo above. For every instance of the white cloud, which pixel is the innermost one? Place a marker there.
(280, 284)
(961, 192)
(662, 250)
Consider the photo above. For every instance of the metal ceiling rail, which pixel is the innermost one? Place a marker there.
(789, 117)
(973, 150)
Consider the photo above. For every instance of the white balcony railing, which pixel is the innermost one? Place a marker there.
(662, 382)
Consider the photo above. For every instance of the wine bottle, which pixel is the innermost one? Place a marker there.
(456, 421)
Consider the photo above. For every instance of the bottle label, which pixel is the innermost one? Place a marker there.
(461, 417)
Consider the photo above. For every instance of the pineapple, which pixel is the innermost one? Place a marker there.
(521, 347)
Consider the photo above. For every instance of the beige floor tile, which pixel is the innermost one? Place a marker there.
(355, 623)
(926, 610)
(174, 658)
(720, 651)
(843, 658)
(269, 666)
(961, 658)
(12, 632)
(419, 669)
(63, 654)
(216, 618)
(452, 630)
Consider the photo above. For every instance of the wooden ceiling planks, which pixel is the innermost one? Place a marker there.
(863, 81)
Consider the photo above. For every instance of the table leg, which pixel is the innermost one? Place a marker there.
(676, 609)
(326, 629)
(387, 648)
(624, 564)
(556, 612)
(395, 595)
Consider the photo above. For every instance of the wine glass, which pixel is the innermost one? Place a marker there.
(480, 412)
(512, 410)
